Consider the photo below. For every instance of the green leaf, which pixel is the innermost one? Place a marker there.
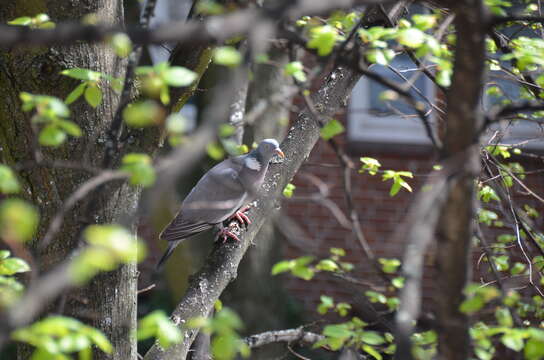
(93, 95)
(227, 56)
(140, 168)
(375, 297)
(18, 220)
(75, 94)
(534, 349)
(323, 38)
(398, 282)
(215, 151)
(337, 331)
(296, 70)
(122, 45)
(21, 21)
(82, 74)
(342, 308)
(372, 352)
(4, 254)
(512, 340)
(326, 304)
(337, 251)
(303, 272)
(8, 181)
(503, 317)
(179, 76)
(327, 265)
(282, 266)
(70, 128)
(12, 266)
(52, 135)
(389, 266)
(289, 190)
(372, 338)
(143, 114)
(331, 129)
(472, 305)
(412, 37)
(369, 164)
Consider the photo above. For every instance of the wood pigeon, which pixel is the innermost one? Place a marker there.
(221, 194)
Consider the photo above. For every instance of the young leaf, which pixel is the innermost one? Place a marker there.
(51, 135)
(75, 94)
(227, 56)
(323, 38)
(82, 74)
(331, 129)
(93, 95)
(140, 168)
(8, 181)
(70, 127)
(18, 220)
(179, 76)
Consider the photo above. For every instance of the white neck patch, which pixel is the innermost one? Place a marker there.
(252, 163)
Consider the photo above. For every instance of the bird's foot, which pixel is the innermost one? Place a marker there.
(225, 233)
(242, 218)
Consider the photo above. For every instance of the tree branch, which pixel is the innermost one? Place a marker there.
(214, 29)
(288, 336)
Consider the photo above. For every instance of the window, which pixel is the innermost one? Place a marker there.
(374, 121)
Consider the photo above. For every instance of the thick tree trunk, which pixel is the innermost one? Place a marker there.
(460, 145)
(109, 302)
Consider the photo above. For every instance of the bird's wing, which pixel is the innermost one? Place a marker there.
(216, 196)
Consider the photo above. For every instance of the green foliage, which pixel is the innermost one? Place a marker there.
(289, 190)
(487, 216)
(157, 79)
(55, 337)
(11, 265)
(398, 181)
(18, 220)
(224, 326)
(122, 45)
(477, 296)
(369, 164)
(109, 247)
(486, 194)
(215, 151)
(140, 168)
(158, 325)
(296, 70)
(389, 266)
(302, 267)
(227, 56)
(143, 114)
(8, 181)
(331, 129)
(323, 38)
(90, 87)
(40, 21)
(10, 288)
(51, 113)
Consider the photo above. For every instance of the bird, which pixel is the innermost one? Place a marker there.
(223, 193)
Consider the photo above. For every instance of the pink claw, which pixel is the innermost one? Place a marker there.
(240, 215)
(225, 234)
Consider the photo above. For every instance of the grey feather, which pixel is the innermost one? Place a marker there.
(223, 190)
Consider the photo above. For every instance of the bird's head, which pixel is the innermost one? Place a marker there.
(268, 148)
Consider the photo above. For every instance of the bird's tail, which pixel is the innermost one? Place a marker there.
(171, 246)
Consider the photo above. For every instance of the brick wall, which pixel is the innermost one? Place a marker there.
(380, 216)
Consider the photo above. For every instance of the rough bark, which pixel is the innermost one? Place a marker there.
(109, 301)
(455, 227)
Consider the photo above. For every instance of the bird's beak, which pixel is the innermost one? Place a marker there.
(280, 153)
